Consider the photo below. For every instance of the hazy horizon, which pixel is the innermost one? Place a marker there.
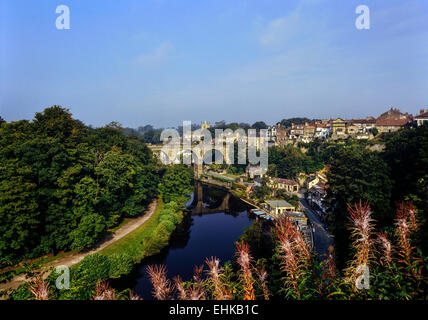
(160, 62)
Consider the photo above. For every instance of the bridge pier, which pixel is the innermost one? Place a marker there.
(199, 207)
(197, 170)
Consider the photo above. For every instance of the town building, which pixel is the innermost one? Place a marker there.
(298, 218)
(364, 125)
(338, 127)
(316, 195)
(297, 131)
(284, 184)
(277, 207)
(254, 171)
(322, 131)
(422, 117)
(272, 132)
(282, 135)
(309, 130)
(392, 120)
(351, 129)
(205, 125)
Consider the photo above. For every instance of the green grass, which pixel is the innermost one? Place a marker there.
(132, 243)
(120, 225)
(28, 265)
(231, 175)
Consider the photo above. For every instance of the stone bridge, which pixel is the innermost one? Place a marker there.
(199, 206)
(172, 156)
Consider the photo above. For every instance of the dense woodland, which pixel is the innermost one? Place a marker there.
(63, 184)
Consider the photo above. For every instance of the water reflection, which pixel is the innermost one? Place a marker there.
(215, 221)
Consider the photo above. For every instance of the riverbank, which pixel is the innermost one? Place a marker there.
(132, 243)
(135, 226)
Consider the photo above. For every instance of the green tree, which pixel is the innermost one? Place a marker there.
(356, 173)
(88, 232)
(259, 125)
(286, 123)
(286, 162)
(60, 180)
(120, 264)
(176, 183)
(93, 268)
(406, 153)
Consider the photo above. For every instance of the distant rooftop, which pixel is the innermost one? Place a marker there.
(422, 116)
(278, 203)
(285, 181)
(296, 215)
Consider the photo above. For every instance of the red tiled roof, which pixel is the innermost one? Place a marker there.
(422, 116)
(392, 122)
(285, 181)
(366, 121)
(321, 185)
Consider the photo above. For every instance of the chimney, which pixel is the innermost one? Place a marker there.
(421, 111)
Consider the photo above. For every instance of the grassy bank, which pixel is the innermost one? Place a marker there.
(133, 243)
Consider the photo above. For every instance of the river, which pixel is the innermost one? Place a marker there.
(215, 221)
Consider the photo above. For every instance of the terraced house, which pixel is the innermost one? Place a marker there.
(284, 184)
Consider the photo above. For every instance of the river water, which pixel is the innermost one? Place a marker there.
(215, 222)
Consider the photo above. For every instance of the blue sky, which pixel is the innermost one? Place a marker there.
(164, 61)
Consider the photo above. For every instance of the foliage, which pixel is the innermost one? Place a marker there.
(406, 153)
(286, 123)
(120, 264)
(147, 133)
(288, 161)
(93, 268)
(398, 173)
(88, 231)
(176, 183)
(62, 184)
(294, 272)
(262, 191)
(397, 271)
(292, 199)
(356, 173)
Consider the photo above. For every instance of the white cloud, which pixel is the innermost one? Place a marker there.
(158, 55)
(278, 30)
(293, 26)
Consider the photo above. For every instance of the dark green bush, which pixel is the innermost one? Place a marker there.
(120, 264)
(93, 268)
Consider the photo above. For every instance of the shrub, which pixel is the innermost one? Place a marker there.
(166, 212)
(94, 267)
(120, 264)
(158, 241)
(172, 217)
(168, 224)
(173, 206)
(89, 231)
